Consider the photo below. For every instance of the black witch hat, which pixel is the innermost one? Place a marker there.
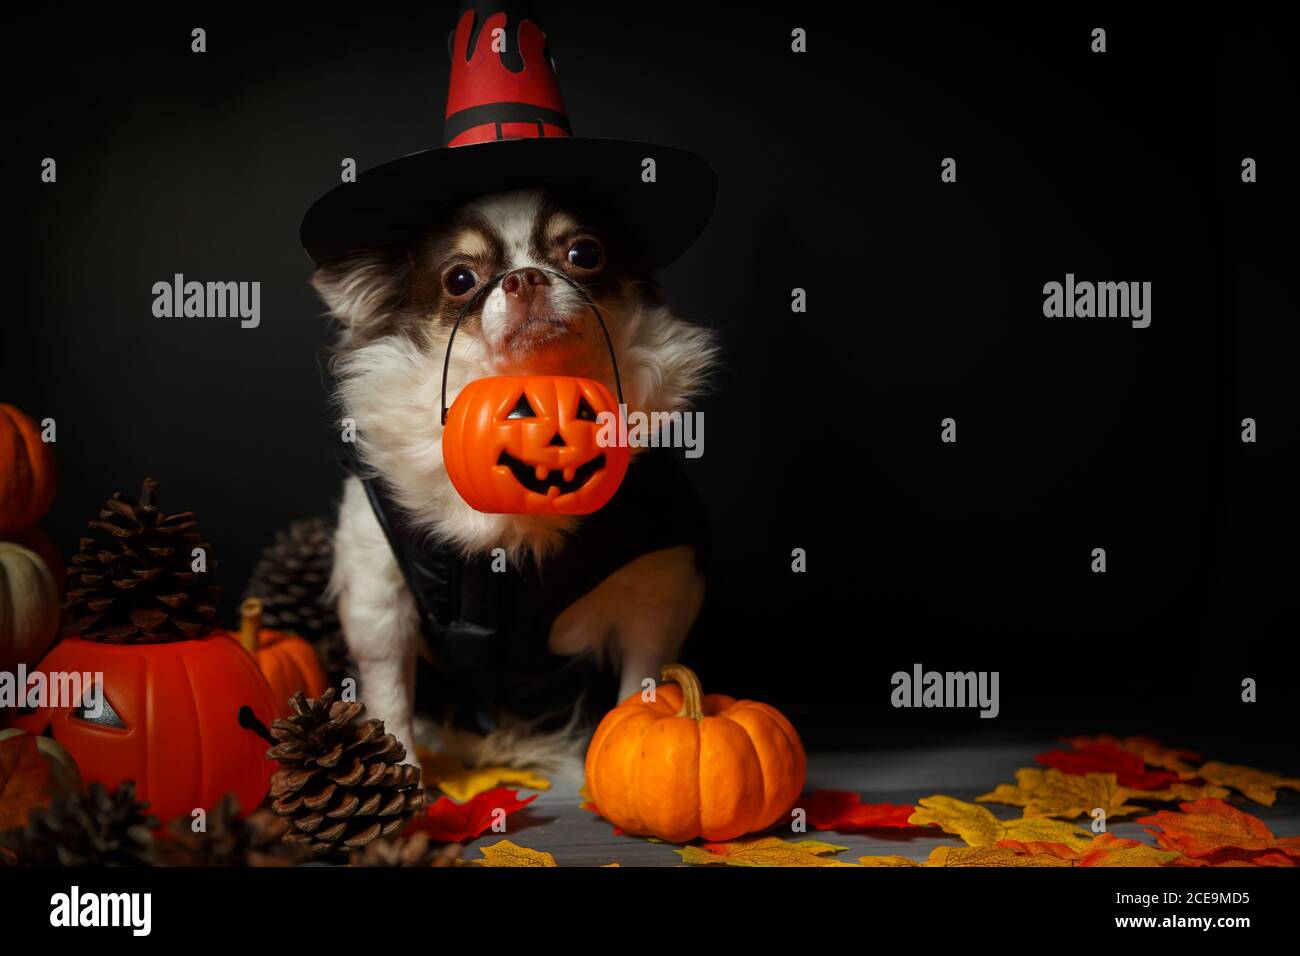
(506, 128)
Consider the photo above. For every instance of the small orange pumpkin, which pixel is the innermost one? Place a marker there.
(27, 474)
(685, 765)
(287, 661)
(527, 444)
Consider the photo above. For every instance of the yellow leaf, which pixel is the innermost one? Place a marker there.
(886, 861)
(604, 865)
(464, 783)
(1122, 854)
(764, 851)
(506, 853)
(989, 856)
(1260, 785)
(1106, 849)
(1051, 793)
(1181, 791)
(979, 827)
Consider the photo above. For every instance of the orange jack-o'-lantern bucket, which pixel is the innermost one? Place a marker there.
(531, 444)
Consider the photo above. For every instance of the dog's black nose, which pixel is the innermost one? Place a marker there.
(523, 281)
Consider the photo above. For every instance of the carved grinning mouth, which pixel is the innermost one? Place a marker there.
(526, 475)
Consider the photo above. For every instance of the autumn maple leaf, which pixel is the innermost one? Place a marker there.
(1259, 785)
(764, 851)
(1218, 832)
(1052, 793)
(1106, 849)
(464, 783)
(979, 827)
(845, 811)
(506, 853)
(450, 822)
(1128, 768)
(1152, 751)
(949, 856)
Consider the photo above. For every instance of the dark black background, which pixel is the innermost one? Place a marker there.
(924, 302)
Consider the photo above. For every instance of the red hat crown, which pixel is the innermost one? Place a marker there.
(502, 78)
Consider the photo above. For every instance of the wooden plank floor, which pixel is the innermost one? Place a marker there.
(576, 837)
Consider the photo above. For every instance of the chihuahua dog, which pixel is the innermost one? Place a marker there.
(548, 262)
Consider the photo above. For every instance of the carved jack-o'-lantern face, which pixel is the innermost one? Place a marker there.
(527, 444)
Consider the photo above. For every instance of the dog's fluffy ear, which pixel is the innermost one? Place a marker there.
(364, 292)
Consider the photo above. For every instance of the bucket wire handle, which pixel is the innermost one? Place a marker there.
(477, 298)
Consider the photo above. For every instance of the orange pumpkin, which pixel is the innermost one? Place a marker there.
(27, 474)
(527, 444)
(287, 661)
(685, 765)
(170, 720)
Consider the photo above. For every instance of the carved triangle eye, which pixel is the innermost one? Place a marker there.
(522, 409)
(585, 411)
(105, 716)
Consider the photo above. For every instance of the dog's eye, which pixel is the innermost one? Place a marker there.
(585, 412)
(586, 254)
(522, 409)
(460, 281)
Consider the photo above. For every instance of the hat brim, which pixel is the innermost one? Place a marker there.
(395, 201)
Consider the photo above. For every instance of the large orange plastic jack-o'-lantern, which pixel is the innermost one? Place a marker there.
(528, 444)
(168, 719)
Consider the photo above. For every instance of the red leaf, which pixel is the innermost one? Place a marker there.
(844, 811)
(447, 821)
(1128, 768)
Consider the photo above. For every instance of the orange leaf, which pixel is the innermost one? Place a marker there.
(24, 780)
(1215, 831)
(1110, 850)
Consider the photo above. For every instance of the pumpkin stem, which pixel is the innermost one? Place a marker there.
(250, 623)
(692, 693)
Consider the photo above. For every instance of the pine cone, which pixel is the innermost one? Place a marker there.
(89, 828)
(133, 583)
(341, 783)
(291, 579)
(231, 840)
(415, 850)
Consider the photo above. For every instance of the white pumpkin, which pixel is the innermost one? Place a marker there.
(29, 606)
(65, 777)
